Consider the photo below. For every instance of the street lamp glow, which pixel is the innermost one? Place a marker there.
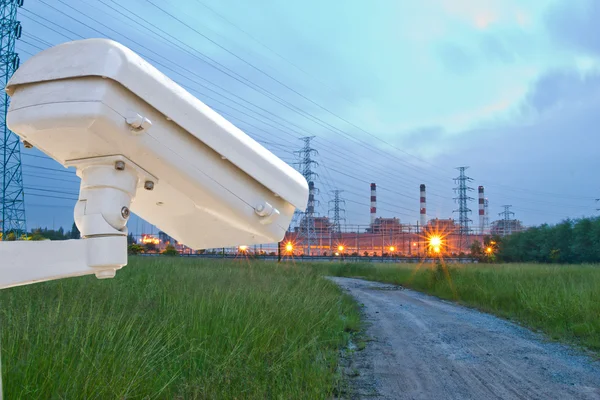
(488, 250)
(392, 248)
(340, 248)
(289, 247)
(435, 241)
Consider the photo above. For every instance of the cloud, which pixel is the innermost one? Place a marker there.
(552, 150)
(422, 140)
(495, 49)
(575, 24)
(455, 58)
(563, 90)
(480, 14)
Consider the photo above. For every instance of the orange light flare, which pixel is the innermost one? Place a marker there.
(489, 250)
(243, 254)
(436, 245)
(435, 242)
(289, 247)
(341, 248)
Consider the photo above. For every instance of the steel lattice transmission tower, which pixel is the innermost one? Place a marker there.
(337, 209)
(463, 208)
(506, 220)
(12, 199)
(307, 233)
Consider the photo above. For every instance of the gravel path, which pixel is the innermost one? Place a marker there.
(426, 348)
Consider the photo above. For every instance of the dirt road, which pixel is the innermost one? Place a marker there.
(426, 348)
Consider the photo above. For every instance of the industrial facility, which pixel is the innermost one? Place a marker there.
(327, 236)
(390, 237)
(387, 237)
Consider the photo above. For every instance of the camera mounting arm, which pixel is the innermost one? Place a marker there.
(108, 186)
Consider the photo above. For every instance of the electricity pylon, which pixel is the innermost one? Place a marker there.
(12, 199)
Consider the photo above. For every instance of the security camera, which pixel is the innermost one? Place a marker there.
(141, 143)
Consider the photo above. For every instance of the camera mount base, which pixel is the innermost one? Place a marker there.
(108, 186)
(27, 262)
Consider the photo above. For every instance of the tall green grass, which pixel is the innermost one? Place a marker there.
(561, 300)
(176, 329)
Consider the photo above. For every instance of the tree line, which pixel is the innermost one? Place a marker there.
(45, 234)
(571, 241)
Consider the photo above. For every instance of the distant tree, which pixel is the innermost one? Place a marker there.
(52, 234)
(476, 250)
(9, 237)
(554, 255)
(583, 241)
(596, 238)
(131, 239)
(150, 247)
(564, 238)
(170, 250)
(570, 241)
(37, 235)
(74, 234)
(135, 249)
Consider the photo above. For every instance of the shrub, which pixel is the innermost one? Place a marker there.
(171, 251)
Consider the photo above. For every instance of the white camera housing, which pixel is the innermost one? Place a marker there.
(141, 142)
(212, 185)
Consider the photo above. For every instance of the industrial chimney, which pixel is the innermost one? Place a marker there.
(481, 210)
(423, 208)
(373, 203)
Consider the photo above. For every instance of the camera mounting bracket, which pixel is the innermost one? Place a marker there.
(108, 186)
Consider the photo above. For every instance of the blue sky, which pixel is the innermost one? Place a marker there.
(396, 92)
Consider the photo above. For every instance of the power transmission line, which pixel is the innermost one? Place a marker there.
(118, 12)
(312, 118)
(252, 85)
(283, 84)
(166, 67)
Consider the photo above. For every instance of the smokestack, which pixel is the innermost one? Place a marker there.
(423, 208)
(481, 210)
(373, 203)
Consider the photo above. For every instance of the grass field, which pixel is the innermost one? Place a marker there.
(176, 329)
(563, 300)
(170, 328)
